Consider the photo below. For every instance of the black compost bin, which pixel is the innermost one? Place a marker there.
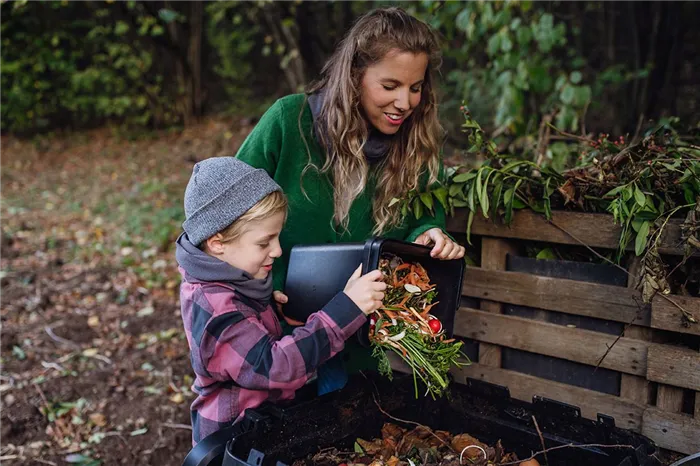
(274, 435)
(317, 272)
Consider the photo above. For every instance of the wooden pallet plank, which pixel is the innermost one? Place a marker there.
(494, 254)
(669, 398)
(556, 294)
(677, 432)
(634, 387)
(675, 366)
(666, 316)
(627, 414)
(595, 230)
(574, 344)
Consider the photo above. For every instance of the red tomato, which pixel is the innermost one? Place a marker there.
(435, 325)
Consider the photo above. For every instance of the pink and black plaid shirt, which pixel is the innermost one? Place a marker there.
(240, 357)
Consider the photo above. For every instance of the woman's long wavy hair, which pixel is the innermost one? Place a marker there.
(414, 149)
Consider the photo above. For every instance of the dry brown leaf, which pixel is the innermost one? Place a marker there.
(461, 441)
(98, 419)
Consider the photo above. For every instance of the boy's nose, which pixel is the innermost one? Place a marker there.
(276, 252)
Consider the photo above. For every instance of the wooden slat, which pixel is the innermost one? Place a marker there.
(669, 399)
(677, 432)
(494, 255)
(556, 294)
(633, 387)
(675, 366)
(595, 230)
(627, 414)
(666, 316)
(575, 344)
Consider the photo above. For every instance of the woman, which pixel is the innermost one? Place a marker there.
(365, 133)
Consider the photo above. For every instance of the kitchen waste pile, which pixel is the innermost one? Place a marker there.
(405, 326)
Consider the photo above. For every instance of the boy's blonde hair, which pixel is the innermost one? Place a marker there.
(272, 204)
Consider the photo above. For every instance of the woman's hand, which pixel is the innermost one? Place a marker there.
(280, 299)
(444, 248)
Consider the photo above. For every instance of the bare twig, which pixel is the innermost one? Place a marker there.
(572, 136)
(60, 340)
(585, 245)
(628, 325)
(568, 445)
(543, 138)
(410, 422)
(176, 426)
(539, 432)
(41, 394)
(39, 460)
(691, 318)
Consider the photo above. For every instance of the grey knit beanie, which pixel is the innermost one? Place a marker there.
(220, 190)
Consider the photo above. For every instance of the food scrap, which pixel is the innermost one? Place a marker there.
(405, 326)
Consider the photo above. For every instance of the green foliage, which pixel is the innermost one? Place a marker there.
(75, 64)
(642, 185)
(512, 61)
(232, 32)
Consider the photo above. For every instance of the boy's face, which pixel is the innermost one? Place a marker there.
(257, 248)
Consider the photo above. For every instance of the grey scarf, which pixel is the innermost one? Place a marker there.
(201, 267)
(377, 145)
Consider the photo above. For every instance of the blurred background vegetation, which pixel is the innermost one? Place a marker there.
(593, 66)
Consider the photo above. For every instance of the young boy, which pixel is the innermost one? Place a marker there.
(234, 215)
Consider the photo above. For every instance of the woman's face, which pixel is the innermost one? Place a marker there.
(391, 89)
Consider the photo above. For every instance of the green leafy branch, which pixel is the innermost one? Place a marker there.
(642, 184)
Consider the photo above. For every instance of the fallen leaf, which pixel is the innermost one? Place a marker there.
(93, 321)
(98, 419)
(136, 432)
(177, 398)
(90, 352)
(146, 311)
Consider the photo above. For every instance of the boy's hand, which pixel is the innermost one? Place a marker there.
(366, 291)
(280, 299)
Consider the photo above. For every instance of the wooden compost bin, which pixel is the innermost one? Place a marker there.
(657, 390)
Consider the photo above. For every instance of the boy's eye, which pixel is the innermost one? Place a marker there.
(263, 245)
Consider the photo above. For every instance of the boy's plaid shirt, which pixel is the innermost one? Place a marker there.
(240, 357)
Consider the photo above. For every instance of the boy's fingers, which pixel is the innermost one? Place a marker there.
(380, 286)
(280, 297)
(373, 276)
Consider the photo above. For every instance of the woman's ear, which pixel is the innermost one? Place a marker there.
(214, 245)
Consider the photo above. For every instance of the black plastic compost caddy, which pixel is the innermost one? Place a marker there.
(278, 435)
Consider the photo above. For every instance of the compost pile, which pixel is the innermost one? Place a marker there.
(418, 447)
(405, 326)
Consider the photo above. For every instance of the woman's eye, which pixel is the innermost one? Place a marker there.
(416, 90)
(389, 88)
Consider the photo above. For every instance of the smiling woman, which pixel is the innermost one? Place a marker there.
(364, 133)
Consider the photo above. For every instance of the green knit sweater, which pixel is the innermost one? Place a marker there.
(276, 145)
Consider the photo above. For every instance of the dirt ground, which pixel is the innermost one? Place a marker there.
(95, 365)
